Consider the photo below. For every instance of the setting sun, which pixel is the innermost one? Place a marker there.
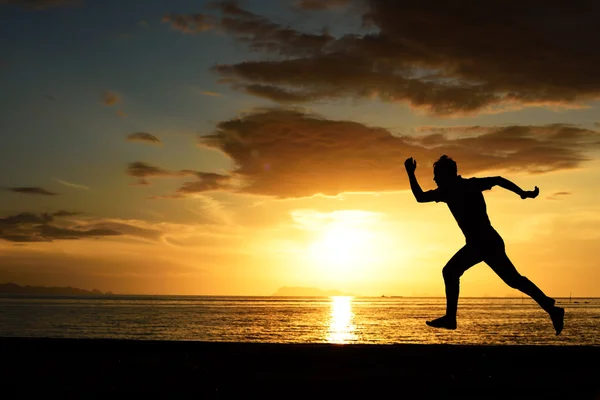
(343, 246)
(348, 247)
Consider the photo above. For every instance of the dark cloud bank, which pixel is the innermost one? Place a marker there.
(444, 57)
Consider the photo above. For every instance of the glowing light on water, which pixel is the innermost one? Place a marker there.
(341, 322)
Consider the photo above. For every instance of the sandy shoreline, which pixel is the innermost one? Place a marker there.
(236, 370)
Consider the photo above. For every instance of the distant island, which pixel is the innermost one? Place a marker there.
(295, 291)
(13, 288)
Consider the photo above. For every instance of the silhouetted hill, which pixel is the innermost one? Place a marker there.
(306, 291)
(13, 288)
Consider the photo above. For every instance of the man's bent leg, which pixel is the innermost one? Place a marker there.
(464, 259)
(504, 268)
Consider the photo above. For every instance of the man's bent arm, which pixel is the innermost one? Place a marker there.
(420, 195)
(508, 185)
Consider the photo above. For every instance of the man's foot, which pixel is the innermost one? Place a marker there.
(444, 322)
(557, 315)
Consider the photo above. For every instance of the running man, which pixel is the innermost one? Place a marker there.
(465, 200)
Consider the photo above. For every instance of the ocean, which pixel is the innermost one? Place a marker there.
(343, 320)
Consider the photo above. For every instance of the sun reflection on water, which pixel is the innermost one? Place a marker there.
(341, 326)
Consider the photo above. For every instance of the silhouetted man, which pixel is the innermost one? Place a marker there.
(465, 200)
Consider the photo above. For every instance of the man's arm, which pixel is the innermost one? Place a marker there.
(508, 185)
(420, 195)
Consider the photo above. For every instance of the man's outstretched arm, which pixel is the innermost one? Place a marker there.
(508, 185)
(420, 195)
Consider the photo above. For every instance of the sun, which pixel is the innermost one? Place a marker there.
(346, 248)
(343, 246)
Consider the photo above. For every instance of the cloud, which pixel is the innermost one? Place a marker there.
(558, 195)
(210, 233)
(278, 94)
(258, 32)
(535, 149)
(289, 153)
(41, 4)
(134, 228)
(209, 93)
(71, 184)
(190, 23)
(63, 213)
(142, 170)
(110, 98)
(205, 181)
(66, 225)
(318, 5)
(26, 218)
(143, 137)
(33, 190)
(29, 227)
(433, 55)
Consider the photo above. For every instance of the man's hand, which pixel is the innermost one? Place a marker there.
(530, 194)
(410, 165)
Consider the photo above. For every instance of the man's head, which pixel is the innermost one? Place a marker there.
(444, 171)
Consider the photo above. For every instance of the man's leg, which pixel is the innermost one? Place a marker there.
(504, 268)
(464, 259)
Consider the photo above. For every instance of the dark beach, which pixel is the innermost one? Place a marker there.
(239, 370)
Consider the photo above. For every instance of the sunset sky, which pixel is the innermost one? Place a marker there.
(232, 148)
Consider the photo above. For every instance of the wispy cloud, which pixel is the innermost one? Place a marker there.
(142, 171)
(45, 227)
(144, 137)
(256, 31)
(558, 195)
(71, 184)
(205, 181)
(110, 98)
(192, 23)
(209, 93)
(32, 190)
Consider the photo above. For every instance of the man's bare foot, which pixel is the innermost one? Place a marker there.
(444, 322)
(557, 315)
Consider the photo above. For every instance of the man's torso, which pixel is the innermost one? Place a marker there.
(467, 204)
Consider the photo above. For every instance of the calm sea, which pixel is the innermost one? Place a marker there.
(297, 320)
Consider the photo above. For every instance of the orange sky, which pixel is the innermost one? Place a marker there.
(235, 148)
